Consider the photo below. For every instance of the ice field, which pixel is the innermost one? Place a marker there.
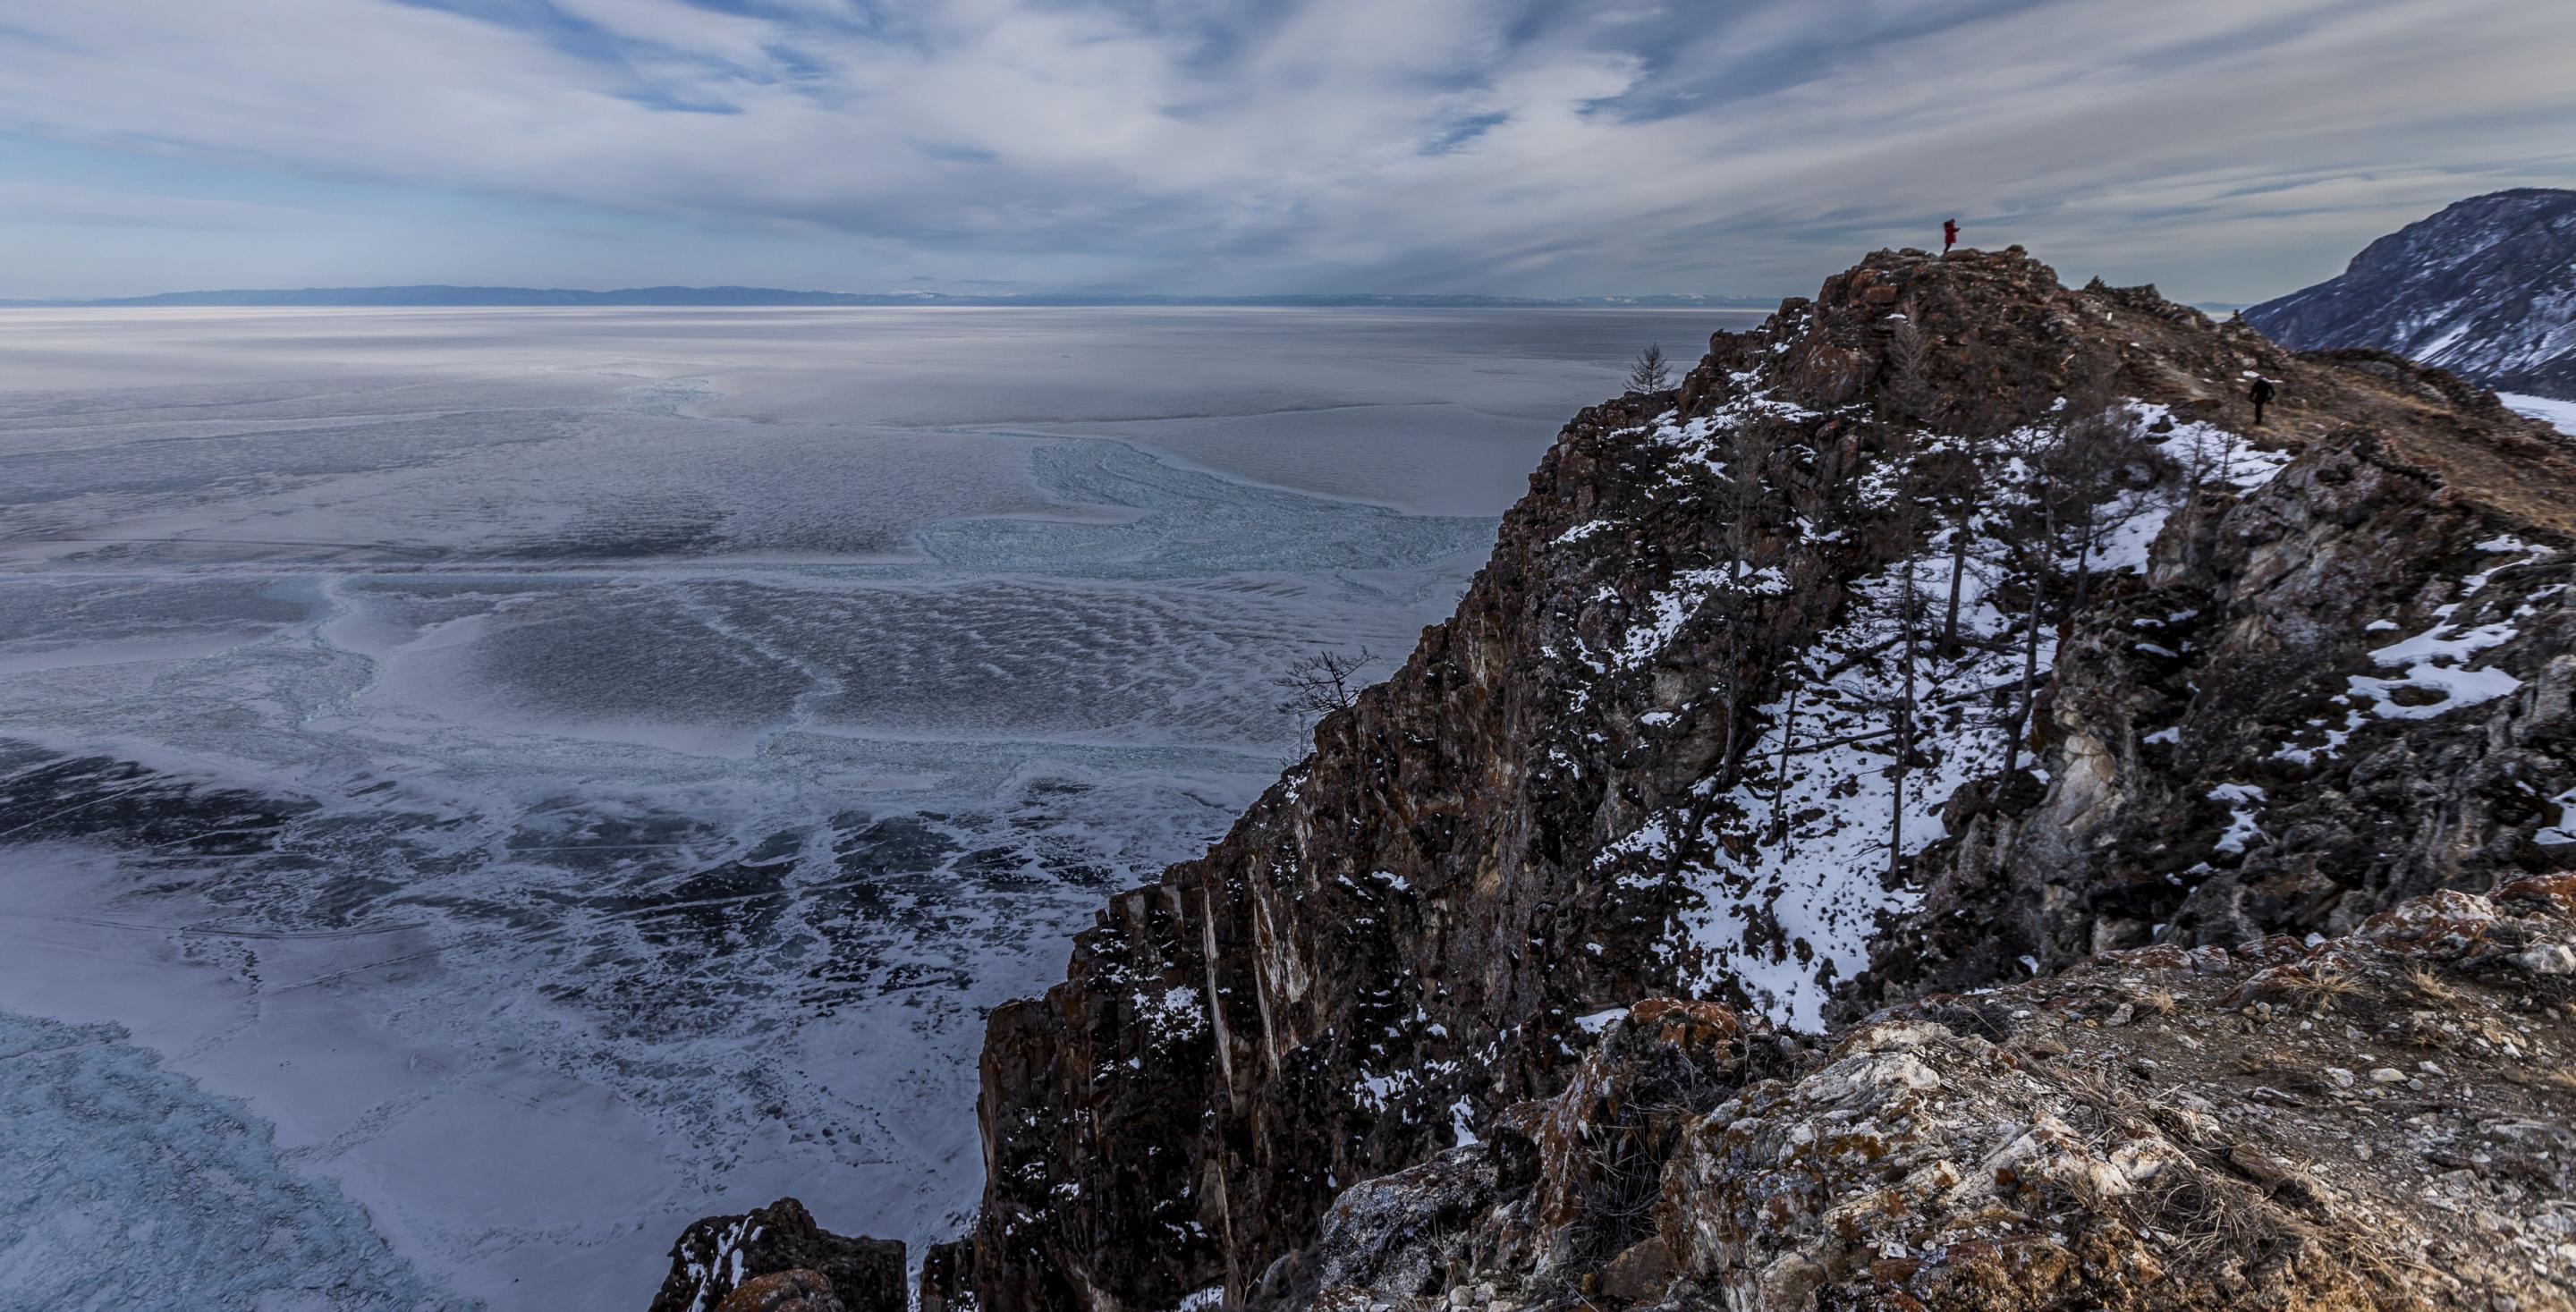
(480, 789)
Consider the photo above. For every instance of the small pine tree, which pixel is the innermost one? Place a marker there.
(1649, 374)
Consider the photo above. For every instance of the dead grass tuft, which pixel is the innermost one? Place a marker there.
(2430, 986)
(2318, 988)
(2548, 1079)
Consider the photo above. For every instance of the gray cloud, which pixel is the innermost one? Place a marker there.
(2224, 148)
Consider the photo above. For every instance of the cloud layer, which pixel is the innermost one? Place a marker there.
(2226, 149)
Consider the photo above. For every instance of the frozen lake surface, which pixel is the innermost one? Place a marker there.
(480, 789)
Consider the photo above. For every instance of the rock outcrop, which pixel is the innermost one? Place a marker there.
(2486, 289)
(2078, 850)
(2381, 1120)
(1947, 630)
(2352, 685)
(776, 1259)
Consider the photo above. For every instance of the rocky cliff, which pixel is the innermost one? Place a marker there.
(2486, 289)
(2077, 851)
(2375, 1121)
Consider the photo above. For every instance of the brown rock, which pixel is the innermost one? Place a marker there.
(784, 1291)
(948, 1276)
(1641, 1274)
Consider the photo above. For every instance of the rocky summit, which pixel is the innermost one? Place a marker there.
(2486, 289)
(1939, 811)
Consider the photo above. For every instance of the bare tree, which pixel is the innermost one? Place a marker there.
(1755, 461)
(1917, 486)
(1909, 393)
(2019, 725)
(1906, 608)
(1805, 572)
(1322, 683)
(2203, 469)
(1955, 483)
(1649, 374)
(2089, 458)
(1951, 477)
(2035, 546)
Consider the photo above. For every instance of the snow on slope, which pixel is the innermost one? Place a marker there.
(1788, 872)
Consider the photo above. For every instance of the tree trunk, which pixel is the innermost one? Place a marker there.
(1958, 570)
(1779, 831)
(2030, 650)
(2083, 574)
(1904, 723)
(2191, 503)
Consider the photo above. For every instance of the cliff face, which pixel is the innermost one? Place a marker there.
(2486, 289)
(1945, 630)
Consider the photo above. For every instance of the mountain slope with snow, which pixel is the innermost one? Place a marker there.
(1944, 631)
(2485, 289)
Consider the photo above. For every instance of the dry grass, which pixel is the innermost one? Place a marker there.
(2429, 986)
(2317, 990)
(2548, 1079)
(2207, 1216)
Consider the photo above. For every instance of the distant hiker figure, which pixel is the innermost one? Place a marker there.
(2261, 395)
(1949, 234)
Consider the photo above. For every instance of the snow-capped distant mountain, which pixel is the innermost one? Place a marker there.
(2485, 289)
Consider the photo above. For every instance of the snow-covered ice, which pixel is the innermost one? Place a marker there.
(547, 776)
(2547, 409)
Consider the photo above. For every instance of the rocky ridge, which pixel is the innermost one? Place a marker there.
(1946, 711)
(2486, 289)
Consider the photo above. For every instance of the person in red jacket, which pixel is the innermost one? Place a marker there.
(1949, 234)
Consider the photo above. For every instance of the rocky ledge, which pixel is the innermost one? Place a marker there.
(2039, 806)
(2382, 1120)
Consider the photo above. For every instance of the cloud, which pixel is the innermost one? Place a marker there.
(82, 206)
(1499, 145)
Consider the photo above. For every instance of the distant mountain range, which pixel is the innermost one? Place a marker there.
(2485, 289)
(723, 296)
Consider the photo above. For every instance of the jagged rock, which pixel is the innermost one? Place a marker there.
(1654, 753)
(779, 1260)
(784, 1291)
(1641, 1274)
(2008, 1150)
(948, 1277)
(1399, 1236)
(2486, 289)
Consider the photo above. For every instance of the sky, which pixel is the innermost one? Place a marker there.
(2227, 150)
